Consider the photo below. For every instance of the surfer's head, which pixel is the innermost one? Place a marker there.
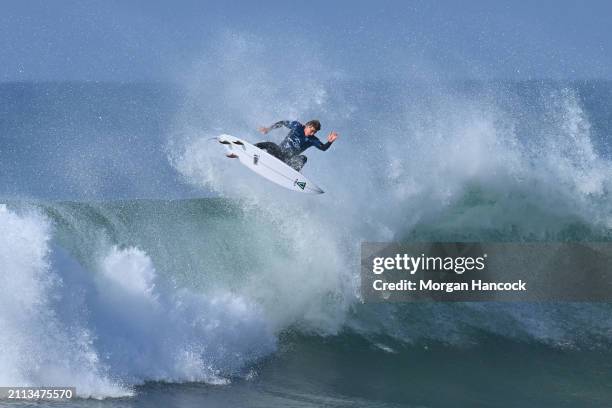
(311, 127)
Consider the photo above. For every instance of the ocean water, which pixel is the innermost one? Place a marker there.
(140, 266)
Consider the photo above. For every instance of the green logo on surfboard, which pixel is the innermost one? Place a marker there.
(300, 184)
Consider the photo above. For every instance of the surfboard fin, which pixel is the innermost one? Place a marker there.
(225, 142)
(232, 155)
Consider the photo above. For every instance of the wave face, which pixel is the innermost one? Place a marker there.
(107, 291)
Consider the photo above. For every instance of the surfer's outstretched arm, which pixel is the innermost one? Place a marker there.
(277, 125)
(324, 146)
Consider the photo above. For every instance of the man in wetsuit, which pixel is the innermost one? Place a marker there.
(299, 138)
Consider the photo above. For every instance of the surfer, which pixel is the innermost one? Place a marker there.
(299, 138)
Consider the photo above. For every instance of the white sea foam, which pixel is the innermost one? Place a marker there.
(176, 334)
(105, 330)
(39, 346)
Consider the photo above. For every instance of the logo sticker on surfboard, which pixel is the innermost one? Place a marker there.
(300, 184)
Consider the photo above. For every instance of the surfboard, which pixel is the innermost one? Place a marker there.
(266, 165)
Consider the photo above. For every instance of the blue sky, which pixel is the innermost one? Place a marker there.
(144, 40)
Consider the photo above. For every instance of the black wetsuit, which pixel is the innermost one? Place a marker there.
(295, 143)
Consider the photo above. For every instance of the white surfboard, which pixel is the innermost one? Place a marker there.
(266, 165)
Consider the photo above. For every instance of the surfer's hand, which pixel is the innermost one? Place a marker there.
(264, 130)
(332, 137)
